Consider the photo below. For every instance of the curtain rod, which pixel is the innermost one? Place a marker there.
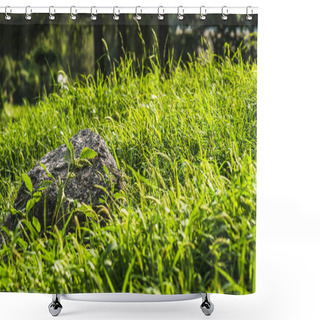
(117, 10)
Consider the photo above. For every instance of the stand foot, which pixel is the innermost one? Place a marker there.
(55, 306)
(206, 305)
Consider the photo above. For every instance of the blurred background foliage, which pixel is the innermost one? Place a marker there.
(37, 56)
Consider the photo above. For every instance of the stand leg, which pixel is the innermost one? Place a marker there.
(206, 305)
(55, 306)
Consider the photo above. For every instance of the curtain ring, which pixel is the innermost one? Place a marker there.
(180, 13)
(203, 13)
(52, 12)
(116, 14)
(93, 15)
(249, 14)
(28, 13)
(7, 11)
(73, 13)
(138, 16)
(224, 13)
(160, 15)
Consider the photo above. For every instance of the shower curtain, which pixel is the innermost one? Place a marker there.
(128, 152)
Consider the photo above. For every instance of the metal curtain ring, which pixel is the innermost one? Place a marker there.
(7, 10)
(249, 14)
(52, 12)
(73, 13)
(160, 15)
(28, 13)
(116, 13)
(180, 13)
(93, 15)
(138, 15)
(224, 13)
(203, 13)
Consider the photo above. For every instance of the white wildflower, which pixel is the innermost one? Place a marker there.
(62, 79)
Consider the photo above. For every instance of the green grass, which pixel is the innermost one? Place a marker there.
(186, 144)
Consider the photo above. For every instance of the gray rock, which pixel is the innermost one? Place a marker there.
(81, 187)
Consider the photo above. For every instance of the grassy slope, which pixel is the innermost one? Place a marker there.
(188, 224)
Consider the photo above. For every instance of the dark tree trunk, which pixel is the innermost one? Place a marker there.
(98, 48)
(164, 44)
(122, 37)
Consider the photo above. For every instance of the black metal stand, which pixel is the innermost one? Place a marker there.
(206, 306)
(55, 306)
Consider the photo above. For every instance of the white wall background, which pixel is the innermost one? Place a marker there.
(288, 246)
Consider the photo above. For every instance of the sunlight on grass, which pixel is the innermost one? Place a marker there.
(186, 144)
(11, 112)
